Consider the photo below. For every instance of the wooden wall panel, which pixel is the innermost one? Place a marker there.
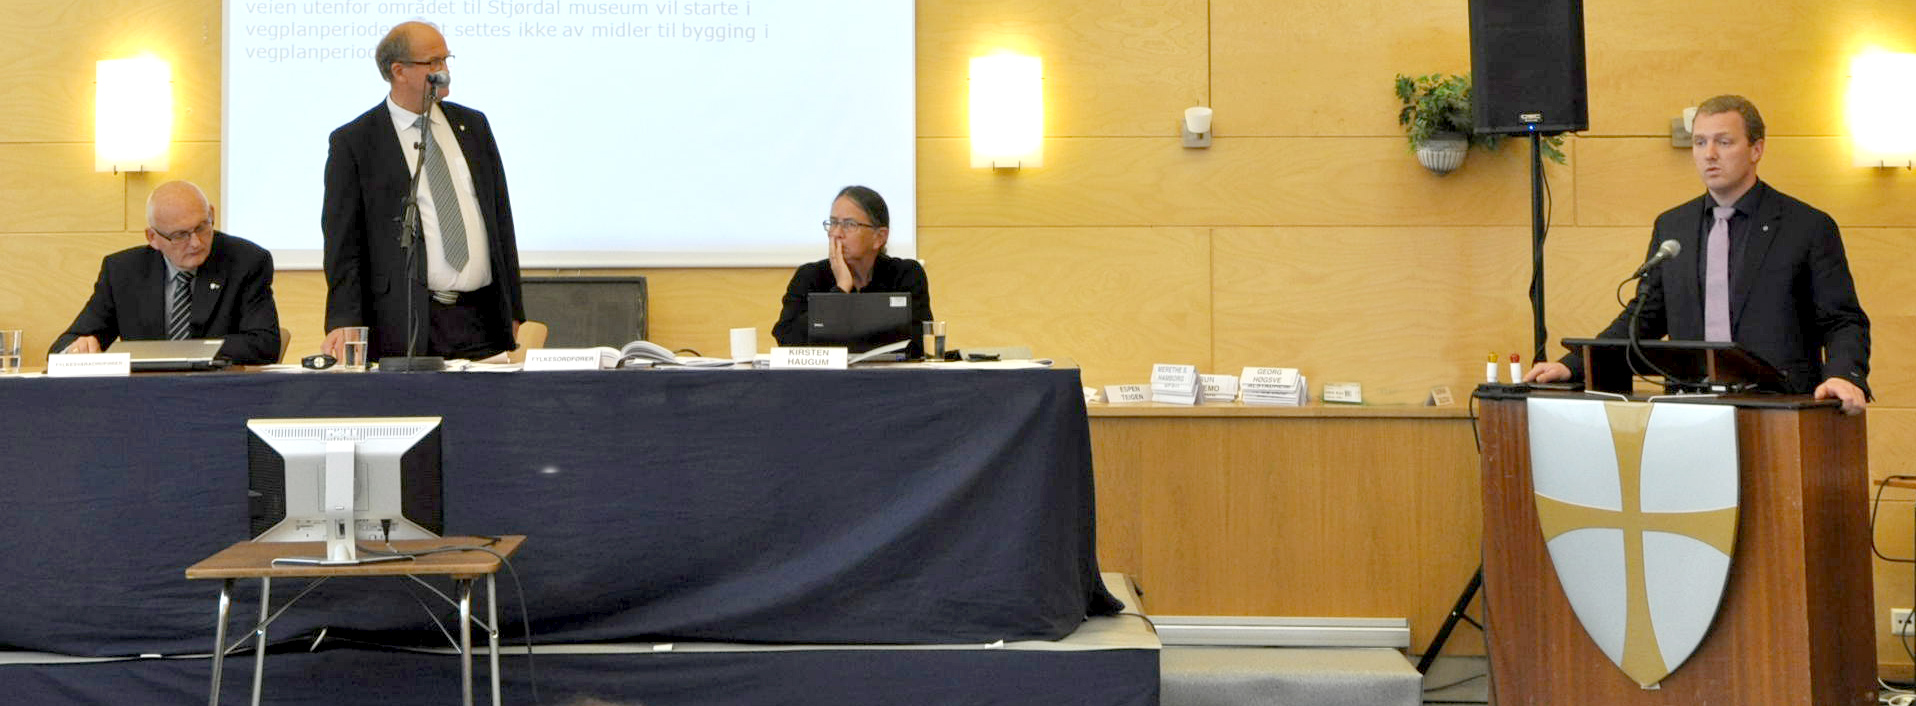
(1630, 181)
(1582, 267)
(1111, 68)
(1238, 181)
(1893, 585)
(1881, 261)
(1320, 67)
(52, 188)
(1627, 182)
(1648, 60)
(1293, 516)
(1114, 300)
(1397, 309)
(1892, 445)
(49, 63)
(698, 308)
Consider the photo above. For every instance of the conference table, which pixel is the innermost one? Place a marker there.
(872, 505)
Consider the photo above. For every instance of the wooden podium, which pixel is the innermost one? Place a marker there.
(1794, 624)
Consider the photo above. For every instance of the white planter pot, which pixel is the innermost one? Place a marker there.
(1443, 154)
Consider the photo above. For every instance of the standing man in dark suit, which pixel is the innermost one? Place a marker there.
(188, 281)
(1757, 267)
(461, 284)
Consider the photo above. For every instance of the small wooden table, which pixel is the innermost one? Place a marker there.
(254, 560)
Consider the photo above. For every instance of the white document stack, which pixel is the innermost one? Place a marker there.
(1274, 386)
(1175, 384)
(1219, 388)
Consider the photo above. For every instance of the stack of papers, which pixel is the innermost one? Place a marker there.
(1219, 388)
(1274, 386)
(1175, 384)
(644, 353)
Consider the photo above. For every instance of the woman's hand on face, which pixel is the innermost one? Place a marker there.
(841, 270)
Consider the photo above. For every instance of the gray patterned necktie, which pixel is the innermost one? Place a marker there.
(179, 310)
(452, 227)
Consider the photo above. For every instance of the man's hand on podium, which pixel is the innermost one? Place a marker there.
(1844, 391)
(1547, 371)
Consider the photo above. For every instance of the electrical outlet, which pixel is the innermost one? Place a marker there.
(1899, 622)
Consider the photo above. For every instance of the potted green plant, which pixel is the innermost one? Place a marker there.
(1436, 118)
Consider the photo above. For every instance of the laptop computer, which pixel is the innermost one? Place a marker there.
(859, 321)
(172, 356)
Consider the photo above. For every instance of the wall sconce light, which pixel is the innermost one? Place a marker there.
(133, 115)
(1196, 127)
(1007, 112)
(1680, 127)
(1882, 97)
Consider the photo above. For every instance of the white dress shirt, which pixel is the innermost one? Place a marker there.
(439, 275)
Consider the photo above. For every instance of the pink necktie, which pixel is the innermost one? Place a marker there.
(1716, 278)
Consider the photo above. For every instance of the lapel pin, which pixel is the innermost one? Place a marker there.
(216, 286)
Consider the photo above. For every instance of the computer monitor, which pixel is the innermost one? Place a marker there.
(344, 480)
(859, 321)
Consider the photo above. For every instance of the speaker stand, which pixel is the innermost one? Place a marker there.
(1457, 613)
(1538, 227)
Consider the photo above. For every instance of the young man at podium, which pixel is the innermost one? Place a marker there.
(1756, 267)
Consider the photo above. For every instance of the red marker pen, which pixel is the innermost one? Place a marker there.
(1516, 369)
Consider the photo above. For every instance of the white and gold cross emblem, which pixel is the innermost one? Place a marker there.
(1637, 503)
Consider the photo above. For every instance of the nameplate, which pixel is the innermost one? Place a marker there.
(89, 365)
(1118, 394)
(1268, 377)
(1219, 387)
(1346, 392)
(808, 358)
(1440, 397)
(1093, 395)
(551, 359)
(1174, 377)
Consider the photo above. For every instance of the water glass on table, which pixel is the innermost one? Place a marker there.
(354, 348)
(934, 340)
(9, 350)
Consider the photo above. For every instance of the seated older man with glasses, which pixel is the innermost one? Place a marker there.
(856, 261)
(188, 281)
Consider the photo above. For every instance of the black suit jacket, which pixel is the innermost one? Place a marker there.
(1793, 302)
(366, 269)
(232, 299)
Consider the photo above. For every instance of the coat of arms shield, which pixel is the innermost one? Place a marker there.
(1638, 506)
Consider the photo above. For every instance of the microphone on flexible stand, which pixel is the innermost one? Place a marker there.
(410, 235)
(1665, 250)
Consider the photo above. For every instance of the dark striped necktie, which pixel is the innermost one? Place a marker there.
(445, 201)
(179, 315)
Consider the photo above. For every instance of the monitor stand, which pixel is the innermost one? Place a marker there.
(342, 541)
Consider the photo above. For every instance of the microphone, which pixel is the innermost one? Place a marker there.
(439, 79)
(1665, 250)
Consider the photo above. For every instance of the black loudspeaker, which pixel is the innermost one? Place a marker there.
(1526, 67)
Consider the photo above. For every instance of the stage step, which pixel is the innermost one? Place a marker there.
(1287, 676)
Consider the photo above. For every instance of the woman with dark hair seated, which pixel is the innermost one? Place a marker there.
(856, 262)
